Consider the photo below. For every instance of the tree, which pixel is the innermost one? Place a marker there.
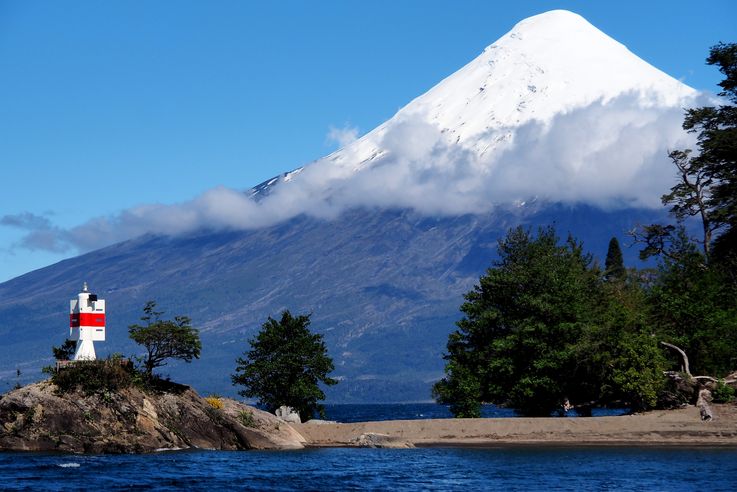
(614, 265)
(618, 354)
(543, 327)
(65, 351)
(693, 296)
(707, 181)
(285, 365)
(515, 343)
(165, 339)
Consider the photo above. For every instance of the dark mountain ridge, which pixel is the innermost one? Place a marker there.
(384, 288)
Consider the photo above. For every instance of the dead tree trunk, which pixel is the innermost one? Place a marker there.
(703, 404)
(699, 385)
(684, 357)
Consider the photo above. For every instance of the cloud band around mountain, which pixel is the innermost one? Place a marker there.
(610, 154)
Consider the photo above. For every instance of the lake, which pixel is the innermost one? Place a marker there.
(564, 468)
(502, 468)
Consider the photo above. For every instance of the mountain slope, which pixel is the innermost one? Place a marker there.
(384, 287)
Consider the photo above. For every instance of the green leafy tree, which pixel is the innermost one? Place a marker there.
(543, 327)
(285, 366)
(693, 307)
(165, 339)
(65, 351)
(707, 180)
(516, 342)
(618, 353)
(716, 129)
(614, 264)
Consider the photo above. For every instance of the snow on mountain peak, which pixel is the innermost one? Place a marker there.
(551, 71)
(547, 65)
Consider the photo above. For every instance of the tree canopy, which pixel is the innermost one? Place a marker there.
(285, 366)
(536, 333)
(165, 339)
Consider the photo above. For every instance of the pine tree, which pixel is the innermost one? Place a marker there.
(614, 265)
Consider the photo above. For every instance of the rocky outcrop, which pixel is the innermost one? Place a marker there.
(287, 414)
(130, 420)
(376, 440)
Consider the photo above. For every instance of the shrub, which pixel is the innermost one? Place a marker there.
(214, 401)
(246, 418)
(93, 376)
(723, 393)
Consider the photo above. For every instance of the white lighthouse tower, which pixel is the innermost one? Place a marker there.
(86, 323)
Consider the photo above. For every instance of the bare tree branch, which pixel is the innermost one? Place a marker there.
(685, 366)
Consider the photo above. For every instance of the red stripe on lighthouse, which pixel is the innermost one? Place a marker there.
(86, 319)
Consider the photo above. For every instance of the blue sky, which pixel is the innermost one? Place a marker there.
(108, 105)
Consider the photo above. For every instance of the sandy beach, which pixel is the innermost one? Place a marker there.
(658, 428)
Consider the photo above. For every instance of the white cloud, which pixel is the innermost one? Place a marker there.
(611, 154)
(342, 136)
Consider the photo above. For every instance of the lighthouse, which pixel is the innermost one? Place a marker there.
(86, 323)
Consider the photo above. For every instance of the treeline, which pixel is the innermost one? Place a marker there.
(548, 328)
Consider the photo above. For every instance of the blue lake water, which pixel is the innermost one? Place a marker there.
(569, 469)
(502, 468)
(413, 411)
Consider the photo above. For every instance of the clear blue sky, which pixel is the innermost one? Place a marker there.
(106, 105)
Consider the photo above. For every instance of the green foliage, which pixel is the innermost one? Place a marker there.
(165, 339)
(94, 376)
(515, 342)
(65, 351)
(285, 365)
(246, 418)
(618, 352)
(708, 184)
(693, 307)
(614, 265)
(460, 389)
(723, 393)
(543, 327)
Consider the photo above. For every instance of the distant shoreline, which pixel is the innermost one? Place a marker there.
(664, 428)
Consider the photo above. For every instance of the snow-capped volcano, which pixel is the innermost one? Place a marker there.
(546, 65)
(555, 109)
(551, 73)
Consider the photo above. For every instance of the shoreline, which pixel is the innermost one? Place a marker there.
(662, 428)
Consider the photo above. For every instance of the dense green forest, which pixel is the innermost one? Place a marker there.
(548, 328)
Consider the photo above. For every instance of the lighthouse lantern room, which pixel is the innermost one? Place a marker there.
(86, 323)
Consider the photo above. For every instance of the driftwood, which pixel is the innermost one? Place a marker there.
(702, 384)
(684, 357)
(730, 379)
(703, 404)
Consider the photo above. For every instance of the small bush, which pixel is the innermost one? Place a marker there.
(246, 418)
(723, 393)
(93, 376)
(215, 402)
